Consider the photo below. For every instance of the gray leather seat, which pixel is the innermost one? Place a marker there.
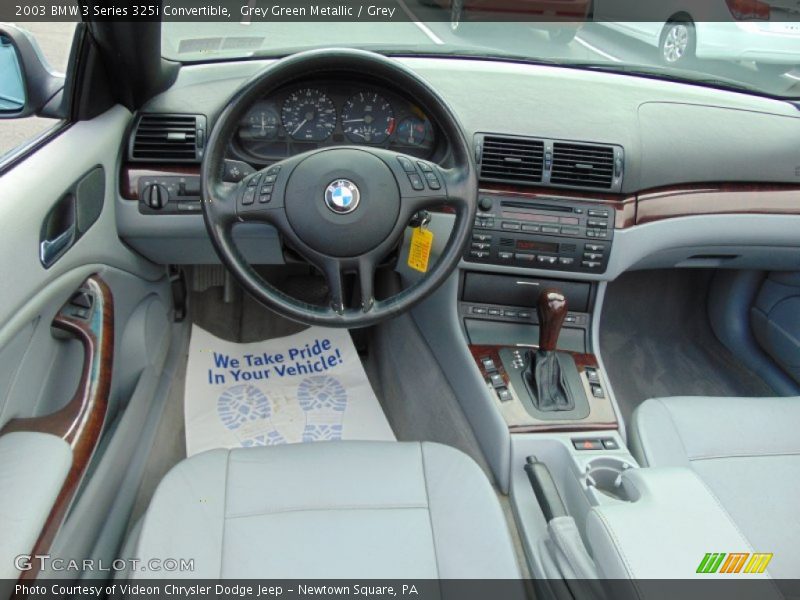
(329, 510)
(747, 450)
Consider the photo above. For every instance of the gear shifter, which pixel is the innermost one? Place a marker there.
(544, 376)
(552, 309)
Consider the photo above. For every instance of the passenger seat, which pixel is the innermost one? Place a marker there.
(746, 450)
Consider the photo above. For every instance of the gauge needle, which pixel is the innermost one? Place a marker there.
(353, 121)
(299, 127)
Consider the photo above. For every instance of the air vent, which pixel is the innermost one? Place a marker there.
(168, 138)
(583, 165)
(512, 160)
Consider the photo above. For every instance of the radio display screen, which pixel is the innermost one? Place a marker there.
(534, 245)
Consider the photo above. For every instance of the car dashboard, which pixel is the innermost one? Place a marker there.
(681, 175)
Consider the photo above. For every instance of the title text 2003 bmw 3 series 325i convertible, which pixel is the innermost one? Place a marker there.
(498, 293)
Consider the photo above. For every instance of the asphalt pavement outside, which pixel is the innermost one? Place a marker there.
(424, 29)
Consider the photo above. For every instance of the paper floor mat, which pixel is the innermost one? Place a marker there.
(306, 387)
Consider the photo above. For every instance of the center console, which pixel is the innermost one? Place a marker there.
(542, 233)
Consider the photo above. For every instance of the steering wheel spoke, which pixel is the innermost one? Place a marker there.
(335, 269)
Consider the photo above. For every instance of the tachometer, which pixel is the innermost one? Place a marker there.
(309, 115)
(368, 118)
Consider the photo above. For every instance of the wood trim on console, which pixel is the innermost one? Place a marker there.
(718, 198)
(601, 414)
(80, 422)
(631, 209)
(625, 205)
(130, 176)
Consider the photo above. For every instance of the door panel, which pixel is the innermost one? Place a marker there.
(42, 366)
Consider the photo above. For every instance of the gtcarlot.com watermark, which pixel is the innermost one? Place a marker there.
(44, 562)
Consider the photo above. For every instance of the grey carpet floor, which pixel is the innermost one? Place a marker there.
(656, 341)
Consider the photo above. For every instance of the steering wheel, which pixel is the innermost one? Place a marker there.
(343, 209)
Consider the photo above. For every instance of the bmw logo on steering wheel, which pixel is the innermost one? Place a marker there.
(342, 196)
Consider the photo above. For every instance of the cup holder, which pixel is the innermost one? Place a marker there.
(604, 478)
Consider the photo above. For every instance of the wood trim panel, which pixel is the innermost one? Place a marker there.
(80, 422)
(130, 176)
(720, 198)
(601, 414)
(631, 209)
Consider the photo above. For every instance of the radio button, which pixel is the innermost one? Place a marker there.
(484, 237)
(505, 255)
(590, 255)
(484, 246)
(570, 230)
(566, 261)
(593, 223)
(510, 313)
(590, 264)
(532, 228)
(525, 257)
(547, 260)
(594, 247)
(550, 229)
(598, 213)
(524, 314)
(478, 253)
(479, 310)
(508, 226)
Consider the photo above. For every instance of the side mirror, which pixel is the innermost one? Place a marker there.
(28, 86)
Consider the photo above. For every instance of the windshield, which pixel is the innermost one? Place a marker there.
(753, 46)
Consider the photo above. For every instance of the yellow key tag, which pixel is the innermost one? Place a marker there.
(420, 251)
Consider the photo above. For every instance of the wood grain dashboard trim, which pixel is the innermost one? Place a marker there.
(131, 174)
(720, 198)
(646, 206)
(80, 422)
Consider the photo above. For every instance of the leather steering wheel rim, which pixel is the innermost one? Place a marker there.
(225, 205)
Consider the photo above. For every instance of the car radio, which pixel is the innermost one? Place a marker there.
(542, 233)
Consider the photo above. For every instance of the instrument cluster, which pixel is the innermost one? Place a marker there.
(309, 116)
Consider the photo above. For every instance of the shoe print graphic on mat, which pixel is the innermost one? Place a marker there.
(246, 410)
(324, 399)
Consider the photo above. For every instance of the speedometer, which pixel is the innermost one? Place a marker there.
(309, 115)
(368, 117)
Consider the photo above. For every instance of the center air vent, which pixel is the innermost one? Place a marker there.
(548, 162)
(583, 165)
(512, 160)
(168, 138)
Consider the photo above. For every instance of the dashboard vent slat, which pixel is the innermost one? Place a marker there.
(583, 165)
(168, 138)
(512, 160)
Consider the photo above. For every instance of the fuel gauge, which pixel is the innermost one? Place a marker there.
(412, 131)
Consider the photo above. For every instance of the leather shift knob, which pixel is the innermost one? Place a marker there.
(551, 308)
